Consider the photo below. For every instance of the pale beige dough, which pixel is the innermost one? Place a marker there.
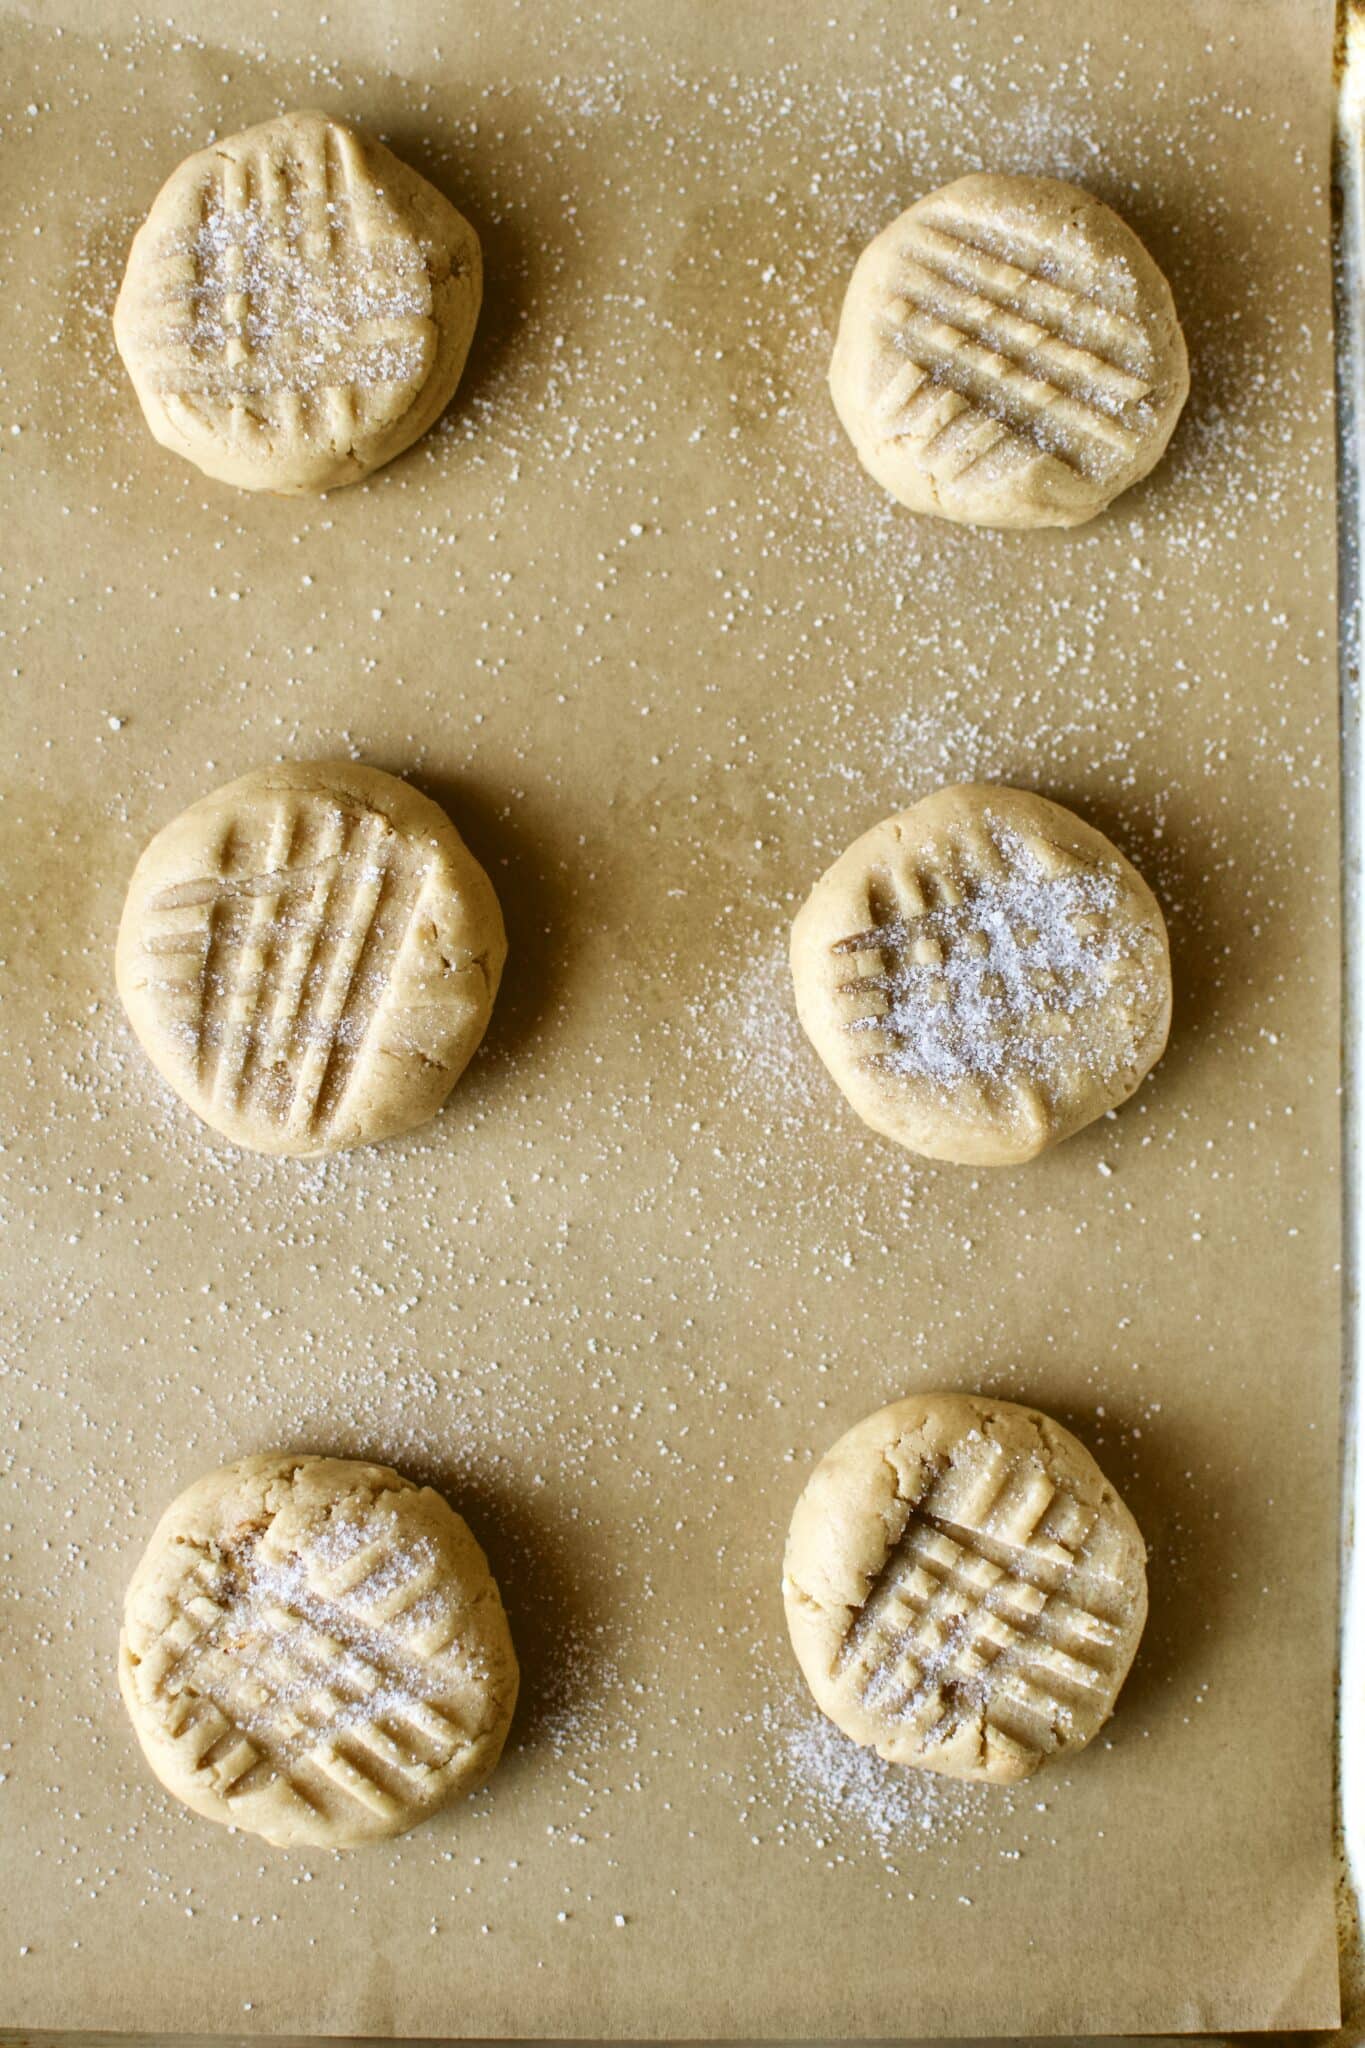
(310, 956)
(297, 306)
(1008, 355)
(964, 1589)
(983, 975)
(314, 1650)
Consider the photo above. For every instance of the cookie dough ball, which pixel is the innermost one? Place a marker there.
(1008, 355)
(964, 1589)
(315, 1651)
(310, 956)
(297, 307)
(983, 975)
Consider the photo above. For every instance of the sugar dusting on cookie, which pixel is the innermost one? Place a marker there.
(260, 314)
(293, 1666)
(975, 988)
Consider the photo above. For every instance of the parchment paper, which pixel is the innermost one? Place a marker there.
(637, 618)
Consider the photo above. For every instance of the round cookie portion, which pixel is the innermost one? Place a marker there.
(310, 957)
(964, 1589)
(297, 306)
(314, 1650)
(983, 975)
(1008, 355)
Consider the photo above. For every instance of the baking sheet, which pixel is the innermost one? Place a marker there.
(637, 618)
(1350, 342)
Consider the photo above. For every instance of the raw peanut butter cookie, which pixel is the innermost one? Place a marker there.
(964, 1589)
(983, 975)
(298, 306)
(314, 1650)
(310, 956)
(1008, 355)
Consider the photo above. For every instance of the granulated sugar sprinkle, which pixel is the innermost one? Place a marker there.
(258, 315)
(972, 987)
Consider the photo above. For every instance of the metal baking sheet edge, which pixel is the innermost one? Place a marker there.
(1349, 210)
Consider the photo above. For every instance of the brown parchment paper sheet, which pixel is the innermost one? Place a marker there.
(636, 617)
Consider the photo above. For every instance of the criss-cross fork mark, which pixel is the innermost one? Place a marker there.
(279, 972)
(962, 1627)
(1002, 361)
(899, 910)
(261, 1688)
(294, 296)
(964, 962)
(1023, 268)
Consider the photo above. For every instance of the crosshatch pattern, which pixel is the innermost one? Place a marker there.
(997, 961)
(271, 975)
(290, 295)
(1010, 352)
(321, 1674)
(1000, 1604)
